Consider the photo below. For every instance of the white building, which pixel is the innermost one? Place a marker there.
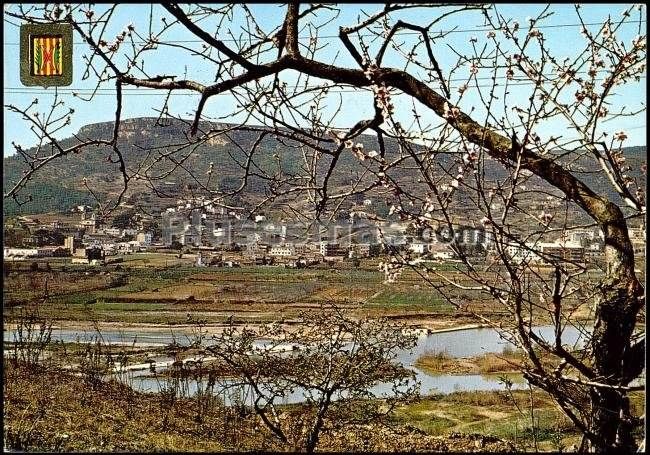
(298, 248)
(578, 235)
(110, 249)
(529, 252)
(116, 232)
(419, 248)
(638, 233)
(282, 250)
(522, 253)
(443, 254)
(128, 247)
(190, 236)
(144, 238)
(595, 246)
(436, 250)
(332, 249)
(22, 253)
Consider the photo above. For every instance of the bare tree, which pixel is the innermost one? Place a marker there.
(444, 162)
(330, 359)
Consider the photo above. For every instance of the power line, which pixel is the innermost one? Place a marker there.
(66, 90)
(367, 35)
(185, 92)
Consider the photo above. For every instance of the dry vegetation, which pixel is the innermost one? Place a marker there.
(50, 410)
(440, 362)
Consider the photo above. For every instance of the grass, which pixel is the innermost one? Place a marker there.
(497, 414)
(103, 306)
(272, 292)
(435, 362)
(491, 413)
(413, 299)
(508, 360)
(47, 412)
(160, 295)
(50, 410)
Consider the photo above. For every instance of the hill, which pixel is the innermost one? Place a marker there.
(145, 143)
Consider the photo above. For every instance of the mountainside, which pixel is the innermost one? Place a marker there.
(143, 142)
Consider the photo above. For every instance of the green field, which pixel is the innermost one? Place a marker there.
(422, 300)
(131, 292)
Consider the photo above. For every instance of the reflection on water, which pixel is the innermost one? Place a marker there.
(461, 343)
(474, 342)
(237, 393)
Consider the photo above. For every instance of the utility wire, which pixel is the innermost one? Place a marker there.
(185, 92)
(365, 35)
(133, 90)
(457, 79)
(161, 92)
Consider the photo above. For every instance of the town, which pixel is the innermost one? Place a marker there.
(221, 238)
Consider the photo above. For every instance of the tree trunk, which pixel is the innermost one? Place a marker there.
(615, 320)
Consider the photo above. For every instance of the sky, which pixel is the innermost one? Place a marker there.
(560, 30)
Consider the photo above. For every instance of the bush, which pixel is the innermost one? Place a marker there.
(31, 339)
(435, 360)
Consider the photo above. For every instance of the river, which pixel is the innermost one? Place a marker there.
(458, 343)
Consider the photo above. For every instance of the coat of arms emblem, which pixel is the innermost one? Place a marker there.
(46, 54)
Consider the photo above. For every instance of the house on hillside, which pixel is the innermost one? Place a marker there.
(91, 256)
(282, 250)
(190, 236)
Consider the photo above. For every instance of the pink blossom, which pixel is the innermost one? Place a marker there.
(639, 42)
(620, 136)
(450, 112)
(545, 217)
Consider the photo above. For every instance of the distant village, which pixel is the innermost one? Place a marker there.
(221, 238)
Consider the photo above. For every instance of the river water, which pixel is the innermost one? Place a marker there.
(459, 343)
